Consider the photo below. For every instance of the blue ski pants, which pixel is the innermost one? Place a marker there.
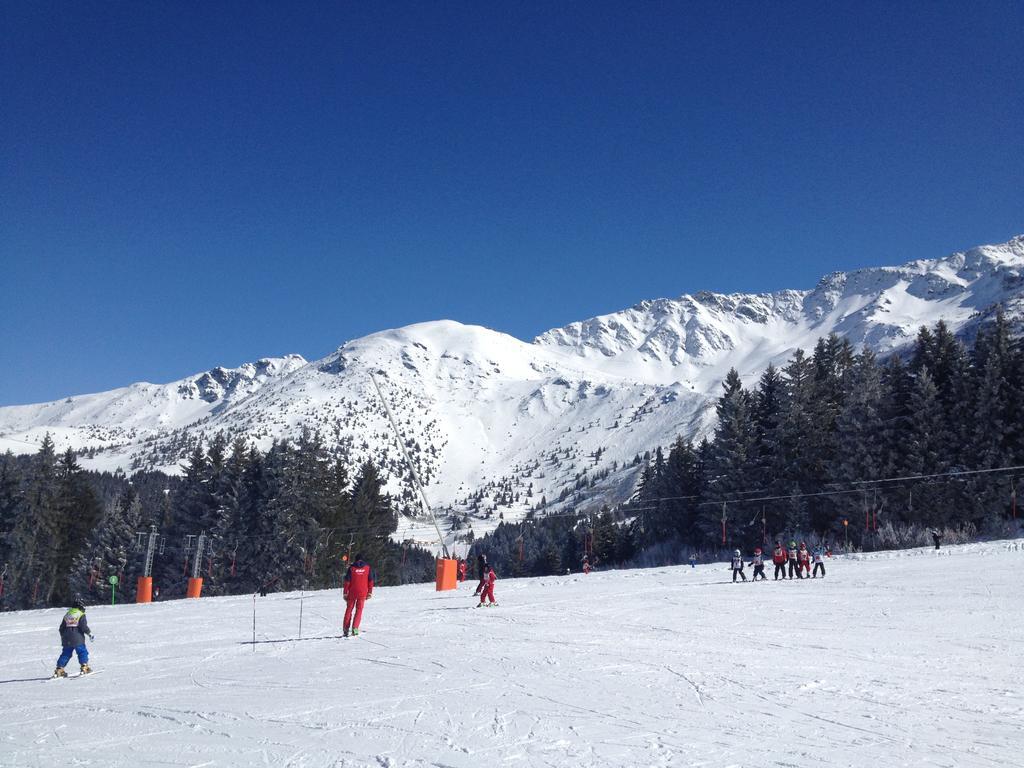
(65, 655)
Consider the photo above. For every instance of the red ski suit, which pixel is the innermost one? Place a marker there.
(779, 556)
(488, 592)
(357, 589)
(803, 558)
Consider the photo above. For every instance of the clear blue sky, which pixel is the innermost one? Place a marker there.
(184, 185)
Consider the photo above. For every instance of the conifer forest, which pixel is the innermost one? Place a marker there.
(837, 448)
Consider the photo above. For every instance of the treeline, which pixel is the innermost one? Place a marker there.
(283, 518)
(893, 447)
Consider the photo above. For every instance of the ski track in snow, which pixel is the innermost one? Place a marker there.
(906, 659)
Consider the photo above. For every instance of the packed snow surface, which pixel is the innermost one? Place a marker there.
(897, 659)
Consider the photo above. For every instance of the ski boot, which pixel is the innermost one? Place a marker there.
(86, 669)
(344, 632)
(355, 631)
(59, 672)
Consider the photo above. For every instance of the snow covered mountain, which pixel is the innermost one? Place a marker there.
(494, 423)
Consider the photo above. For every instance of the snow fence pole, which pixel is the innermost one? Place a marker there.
(254, 621)
(302, 595)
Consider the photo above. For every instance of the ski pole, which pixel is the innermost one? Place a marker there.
(254, 622)
(302, 595)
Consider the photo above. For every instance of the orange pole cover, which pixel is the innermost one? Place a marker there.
(447, 574)
(195, 587)
(144, 589)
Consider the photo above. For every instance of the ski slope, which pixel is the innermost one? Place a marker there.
(897, 659)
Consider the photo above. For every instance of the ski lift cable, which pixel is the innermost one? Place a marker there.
(408, 460)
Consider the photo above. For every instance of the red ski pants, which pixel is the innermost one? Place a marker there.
(488, 593)
(355, 603)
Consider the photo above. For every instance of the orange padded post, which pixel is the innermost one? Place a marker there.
(195, 587)
(447, 574)
(144, 589)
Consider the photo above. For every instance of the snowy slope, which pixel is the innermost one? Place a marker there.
(485, 412)
(906, 658)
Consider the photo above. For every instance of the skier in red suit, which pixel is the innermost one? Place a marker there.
(462, 570)
(357, 590)
(488, 592)
(779, 557)
(803, 558)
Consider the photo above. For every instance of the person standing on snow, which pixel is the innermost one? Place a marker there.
(481, 569)
(794, 566)
(819, 562)
(803, 559)
(586, 564)
(737, 566)
(488, 591)
(779, 558)
(73, 630)
(693, 559)
(462, 570)
(758, 563)
(358, 588)
(937, 538)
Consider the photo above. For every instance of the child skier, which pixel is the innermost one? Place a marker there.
(737, 566)
(794, 566)
(693, 559)
(481, 567)
(586, 564)
(779, 557)
(357, 589)
(803, 559)
(818, 563)
(758, 563)
(462, 571)
(488, 591)
(73, 630)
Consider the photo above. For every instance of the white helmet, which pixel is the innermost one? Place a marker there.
(736, 553)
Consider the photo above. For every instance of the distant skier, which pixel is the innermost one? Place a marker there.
(779, 558)
(488, 591)
(462, 571)
(758, 563)
(794, 565)
(358, 588)
(937, 538)
(481, 569)
(693, 559)
(73, 630)
(803, 559)
(737, 566)
(586, 564)
(819, 562)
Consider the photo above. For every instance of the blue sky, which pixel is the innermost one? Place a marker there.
(186, 185)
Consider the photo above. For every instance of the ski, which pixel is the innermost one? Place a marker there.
(73, 677)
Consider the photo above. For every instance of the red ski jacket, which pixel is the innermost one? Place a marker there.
(358, 581)
(803, 557)
(779, 556)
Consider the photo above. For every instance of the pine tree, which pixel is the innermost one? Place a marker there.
(110, 551)
(373, 521)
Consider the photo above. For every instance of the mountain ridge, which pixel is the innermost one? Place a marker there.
(497, 423)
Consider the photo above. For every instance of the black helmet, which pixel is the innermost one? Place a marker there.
(78, 603)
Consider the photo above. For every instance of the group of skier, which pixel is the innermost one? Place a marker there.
(359, 580)
(798, 560)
